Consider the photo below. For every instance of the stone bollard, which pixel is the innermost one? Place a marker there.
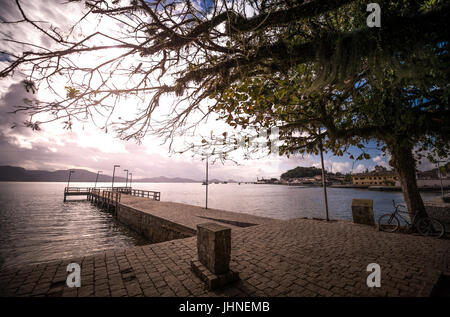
(214, 255)
(362, 211)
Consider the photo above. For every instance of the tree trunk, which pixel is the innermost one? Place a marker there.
(404, 163)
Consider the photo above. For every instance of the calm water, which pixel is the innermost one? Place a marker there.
(37, 226)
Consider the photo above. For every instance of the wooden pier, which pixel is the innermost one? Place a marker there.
(86, 191)
(142, 211)
(108, 196)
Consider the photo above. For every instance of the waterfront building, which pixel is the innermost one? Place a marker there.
(380, 176)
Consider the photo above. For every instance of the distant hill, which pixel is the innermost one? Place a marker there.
(163, 179)
(301, 171)
(19, 174)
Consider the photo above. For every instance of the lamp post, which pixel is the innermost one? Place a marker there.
(114, 172)
(324, 182)
(131, 178)
(126, 182)
(68, 182)
(206, 201)
(440, 177)
(96, 179)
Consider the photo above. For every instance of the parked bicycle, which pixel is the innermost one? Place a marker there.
(426, 226)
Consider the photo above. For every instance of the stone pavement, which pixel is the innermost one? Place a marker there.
(298, 257)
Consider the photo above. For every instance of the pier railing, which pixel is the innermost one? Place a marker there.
(145, 193)
(110, 193)
(90, 189)
(76, 190)
(111, 197)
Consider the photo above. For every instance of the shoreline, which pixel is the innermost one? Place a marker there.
(368, 187)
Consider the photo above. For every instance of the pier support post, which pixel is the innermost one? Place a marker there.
(214, 255)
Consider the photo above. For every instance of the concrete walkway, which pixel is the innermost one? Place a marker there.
(190, 216)
(298, 257)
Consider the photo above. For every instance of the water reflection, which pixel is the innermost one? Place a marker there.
(37, 226)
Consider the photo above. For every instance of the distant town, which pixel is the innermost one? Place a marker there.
(378, 178)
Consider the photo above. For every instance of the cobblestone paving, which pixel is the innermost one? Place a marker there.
(285, 258)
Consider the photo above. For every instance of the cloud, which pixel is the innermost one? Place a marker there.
(341, 167)
(359, 168)
(86, 146)
(14, 97)
(382, 161)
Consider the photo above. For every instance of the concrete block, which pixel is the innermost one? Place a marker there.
(362, 211)
(214, 247)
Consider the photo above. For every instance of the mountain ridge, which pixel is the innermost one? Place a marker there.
(19, 174)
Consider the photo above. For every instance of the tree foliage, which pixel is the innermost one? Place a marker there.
(192, 50)
(301, 171)
(312, 68)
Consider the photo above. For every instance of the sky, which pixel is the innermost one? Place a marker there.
(87, 146)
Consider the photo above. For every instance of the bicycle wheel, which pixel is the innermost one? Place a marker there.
(388, 223)
(430, 227)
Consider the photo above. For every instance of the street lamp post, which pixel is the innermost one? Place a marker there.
(96, 179)
(114, 173)
(324, 182)
(126, 182)
(206, 202)
(440, 177)
(68, 182)
(131, 178)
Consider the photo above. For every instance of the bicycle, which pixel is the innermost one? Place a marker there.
(426, 226)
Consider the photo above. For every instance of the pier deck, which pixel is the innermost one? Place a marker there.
(190, 216)
(162, 221)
